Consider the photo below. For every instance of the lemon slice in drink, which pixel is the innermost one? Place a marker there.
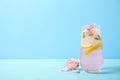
(86, 43)
(89, 50)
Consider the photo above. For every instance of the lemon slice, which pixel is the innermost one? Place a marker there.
(86, 43)
(89, 50)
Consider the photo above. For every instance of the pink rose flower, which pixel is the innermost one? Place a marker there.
(91, 32)
(91, 26)
(72, 64)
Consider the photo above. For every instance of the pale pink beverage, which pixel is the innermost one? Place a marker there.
(91, 56)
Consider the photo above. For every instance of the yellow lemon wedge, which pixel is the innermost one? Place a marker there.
(89, 50)
(86, 43)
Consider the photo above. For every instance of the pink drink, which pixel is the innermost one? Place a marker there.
(92, 62)
(91, 56)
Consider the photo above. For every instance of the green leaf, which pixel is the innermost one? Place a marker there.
(83, 34)
(96, 38)
(99, 37)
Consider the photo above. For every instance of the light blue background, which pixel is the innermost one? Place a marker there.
(51, 28)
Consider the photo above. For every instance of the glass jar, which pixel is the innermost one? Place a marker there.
(91, 55)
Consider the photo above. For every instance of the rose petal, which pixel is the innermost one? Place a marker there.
(64, 69)
(76, 71)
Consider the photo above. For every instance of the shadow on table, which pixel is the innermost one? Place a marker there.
(110, 70)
